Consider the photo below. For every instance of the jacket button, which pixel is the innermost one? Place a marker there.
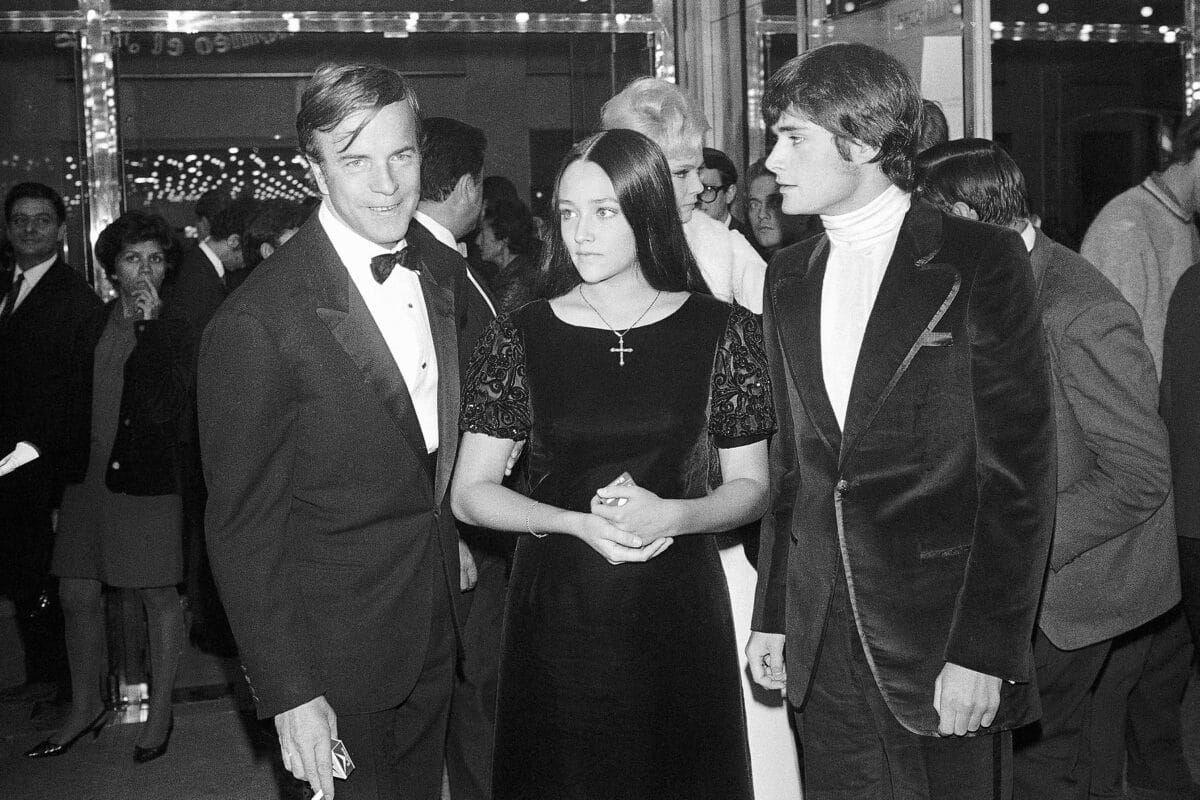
(128, 422)
(116, 465)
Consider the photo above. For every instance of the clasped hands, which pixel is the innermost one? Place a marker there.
(628, 523)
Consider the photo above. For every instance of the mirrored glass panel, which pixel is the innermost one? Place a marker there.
(217, 110)
(39, 129)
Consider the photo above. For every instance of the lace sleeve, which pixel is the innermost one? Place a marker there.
(495, 400)
(740, 407)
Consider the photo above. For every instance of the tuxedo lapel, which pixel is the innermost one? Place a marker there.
(437, 286)
(342, 308)
(798, 295)
(912, 298)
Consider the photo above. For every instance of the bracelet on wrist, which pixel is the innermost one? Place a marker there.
(528, 517)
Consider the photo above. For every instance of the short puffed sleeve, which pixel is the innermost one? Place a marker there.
(740, 408)
(495, 399)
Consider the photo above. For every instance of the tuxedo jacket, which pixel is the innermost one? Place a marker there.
(196, 291)
(1181, 399)
(937, 499)
(328, 535)
(1114, 563)
(45, 372)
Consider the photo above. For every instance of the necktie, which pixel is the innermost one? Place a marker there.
(10, 299)
(382, 266)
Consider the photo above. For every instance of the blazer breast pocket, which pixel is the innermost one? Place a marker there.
(936, 339)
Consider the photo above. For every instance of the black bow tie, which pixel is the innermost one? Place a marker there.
(382, 266)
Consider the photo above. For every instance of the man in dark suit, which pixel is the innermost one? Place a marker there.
(48, 317)
(1113, 564)
(329, 395)
(912, 476)
(451, 203)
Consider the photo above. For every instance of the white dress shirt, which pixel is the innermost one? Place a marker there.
(443, 235)
(29, 279)
(861, 244)
(213, 258)
(398, 307)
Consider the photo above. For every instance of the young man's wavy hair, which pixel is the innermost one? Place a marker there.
(857, 93)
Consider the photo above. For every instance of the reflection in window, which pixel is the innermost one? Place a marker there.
(220, 113)
(39, 129)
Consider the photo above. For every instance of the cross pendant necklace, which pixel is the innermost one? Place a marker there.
(620, 349)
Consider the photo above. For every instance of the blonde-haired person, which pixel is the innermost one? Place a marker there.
(734, 271)
(661, 111)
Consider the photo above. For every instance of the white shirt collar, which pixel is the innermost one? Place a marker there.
(35, 273)
(1029, 234)
(352, 248)
(213, 257)
(440, 232)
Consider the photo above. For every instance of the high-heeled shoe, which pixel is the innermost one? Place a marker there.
(48, 749)
(143, 754)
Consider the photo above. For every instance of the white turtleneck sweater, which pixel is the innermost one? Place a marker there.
(861, 244)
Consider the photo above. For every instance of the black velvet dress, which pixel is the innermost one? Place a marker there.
(620, 681)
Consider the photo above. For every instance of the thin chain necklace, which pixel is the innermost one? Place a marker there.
(620, 349)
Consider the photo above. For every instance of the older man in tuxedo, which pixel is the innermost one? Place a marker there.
(912, 478)
(329, 393)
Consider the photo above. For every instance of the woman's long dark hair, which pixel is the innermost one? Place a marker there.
(642, 180)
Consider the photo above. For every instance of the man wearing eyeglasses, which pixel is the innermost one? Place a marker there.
(47, 316)
(720, 179)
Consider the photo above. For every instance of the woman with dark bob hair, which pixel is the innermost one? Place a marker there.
(508, 239)
(618, 674)
(121, 525)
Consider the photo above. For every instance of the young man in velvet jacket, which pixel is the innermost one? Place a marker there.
(912, 482)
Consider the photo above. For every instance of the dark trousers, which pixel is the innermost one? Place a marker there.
(1052, 757)
(399, 752)
(472, 728)
(26, 544)
(854, 749)
(1135, 722)
(1189, 574)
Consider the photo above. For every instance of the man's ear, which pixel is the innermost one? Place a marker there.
(861, 153)
(265, 250)
(319, 176)
(234, 242)
(731, 194)
(467, 187)
(961, 209)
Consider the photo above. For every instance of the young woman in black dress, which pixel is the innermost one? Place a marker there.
(618, 677)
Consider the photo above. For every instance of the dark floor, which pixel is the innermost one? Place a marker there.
(218, 749)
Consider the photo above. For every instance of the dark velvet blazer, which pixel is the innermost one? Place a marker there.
(1114, 563)
(1181, 399)
(155, 400)
(45, 367)
(327, 533)
(938, 497)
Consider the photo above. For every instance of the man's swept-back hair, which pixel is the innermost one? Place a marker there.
(35, 191)
(642, 182)
(977, 172)
(338, 91)
(449, 150)
(1186, 141)
(659, 110)
(723, 164)
(857, 93)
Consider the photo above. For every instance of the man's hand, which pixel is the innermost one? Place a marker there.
(304, 734)
(514, 457)
(764, 651)
(21, 455)
(468, 574)
(964, 699)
